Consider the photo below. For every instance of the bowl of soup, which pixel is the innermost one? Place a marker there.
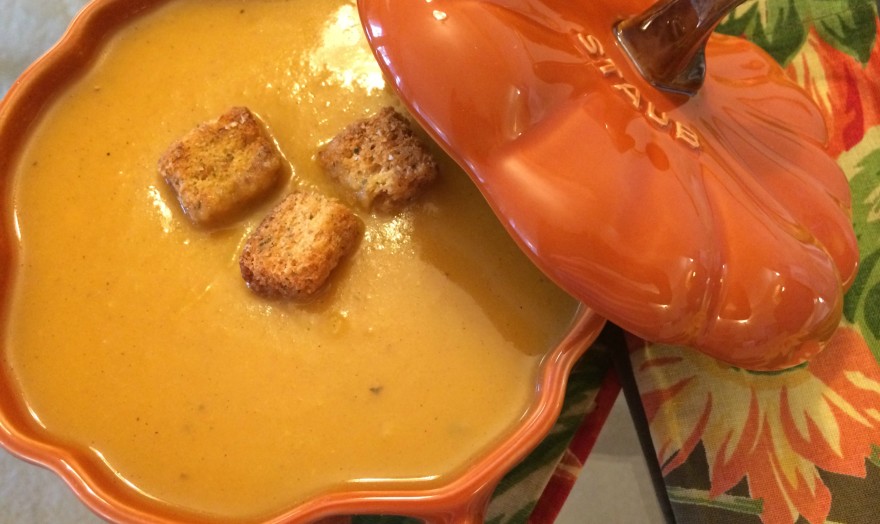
(139, 366)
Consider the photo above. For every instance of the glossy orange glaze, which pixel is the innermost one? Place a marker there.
(716, 221)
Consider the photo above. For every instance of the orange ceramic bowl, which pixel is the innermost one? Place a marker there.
(462, 499)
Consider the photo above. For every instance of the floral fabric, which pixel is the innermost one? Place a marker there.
(801, 445)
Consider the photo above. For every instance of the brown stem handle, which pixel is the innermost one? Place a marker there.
(666, 41)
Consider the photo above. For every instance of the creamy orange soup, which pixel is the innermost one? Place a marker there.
(132, 334)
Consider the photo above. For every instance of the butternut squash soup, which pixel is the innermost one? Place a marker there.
(132, 335)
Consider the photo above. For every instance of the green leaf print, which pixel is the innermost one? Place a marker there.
(727, 502)
(774, 25)
(857, 291)
(872, 310)
(848, 25)
(781, 27)
(862, 302)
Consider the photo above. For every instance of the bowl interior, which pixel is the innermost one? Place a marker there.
(34, 100)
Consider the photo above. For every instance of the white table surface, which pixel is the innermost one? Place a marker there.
(615, 486)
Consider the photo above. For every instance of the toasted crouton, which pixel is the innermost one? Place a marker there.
(296, 247)
(221, 166)
(380, 161)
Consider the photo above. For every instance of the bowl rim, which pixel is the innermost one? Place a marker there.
(463, 499)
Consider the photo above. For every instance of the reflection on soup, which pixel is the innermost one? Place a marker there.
(132, 334)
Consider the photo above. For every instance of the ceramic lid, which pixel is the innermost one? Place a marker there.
(715, 220)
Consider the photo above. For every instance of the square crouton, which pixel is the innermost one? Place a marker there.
(296, 247)
(380, 161)
(222, 166)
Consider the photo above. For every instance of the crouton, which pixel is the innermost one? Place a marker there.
(380, 161)
(221, 166)
(296, 247)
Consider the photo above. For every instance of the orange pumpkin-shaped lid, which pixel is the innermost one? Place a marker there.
(715, 220)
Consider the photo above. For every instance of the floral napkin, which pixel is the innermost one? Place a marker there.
(802, 445)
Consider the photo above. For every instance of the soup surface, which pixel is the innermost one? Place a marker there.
(132, 334)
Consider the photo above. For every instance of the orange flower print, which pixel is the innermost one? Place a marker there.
(775, 429)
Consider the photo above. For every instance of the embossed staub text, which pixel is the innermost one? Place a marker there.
(680, 131)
